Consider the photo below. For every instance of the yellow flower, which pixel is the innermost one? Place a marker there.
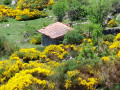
(55, 52)
(67, 84)
(115, 44)
(94, 48)
(2, 80)
(106, 59)
(73, 73)
(33, 41)
(89, 83)
(51, 2)
(117, 37)
(18, 18)
(118, 55)
(112, 23)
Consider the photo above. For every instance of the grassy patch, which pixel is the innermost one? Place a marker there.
(13, 29)
(1, 2)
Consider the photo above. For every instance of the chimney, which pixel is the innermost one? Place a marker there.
(70, 24)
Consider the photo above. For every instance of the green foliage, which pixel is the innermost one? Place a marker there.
(30, 29)
(29, 32)
(60, 72)
(97, 32)
(59, 9)
(24, 17)
(42, 15)
(86, 52)
(6, 48)
(41, 48)
(36, 39)
(116, 87)
(108, 37)
(6, 2)
(94, 30)
(98, 10)
(3, 19)
(73, 37)
(95, 63)
(76, 9)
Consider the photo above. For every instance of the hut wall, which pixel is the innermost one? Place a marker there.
(48, 41)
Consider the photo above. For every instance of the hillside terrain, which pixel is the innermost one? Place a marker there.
(85, 59)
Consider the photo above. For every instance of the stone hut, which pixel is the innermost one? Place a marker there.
(54, 33)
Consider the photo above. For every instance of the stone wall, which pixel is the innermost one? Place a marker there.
(111, 31)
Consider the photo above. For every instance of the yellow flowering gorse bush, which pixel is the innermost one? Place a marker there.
(33, 4)
(105, 59)
(117, 37)
(52, 52)
(25, 78)
(27, 54)
(89, 83)
(25, 74)
(30, 69)
(25, 13)
(33, 41)
(67, 84)
(55, 52)
(17, 14)
(112, 23)
(73, 73)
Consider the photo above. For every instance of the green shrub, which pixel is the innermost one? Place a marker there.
(28, 54)
(73, 65)
(87, 51)
(24, 17)
(98, 10)
(73, 37)
(108, 37)
(6, 2)
(36, 39)
(60, 72)
(96, 33)
(29, 32)
(42, 15)
(41, 48)
(3, 19)
(76, 10)
(59, 9)
(6, 48)
(50, 7)
(30, 29)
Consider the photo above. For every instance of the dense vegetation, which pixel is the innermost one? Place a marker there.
(86, 60)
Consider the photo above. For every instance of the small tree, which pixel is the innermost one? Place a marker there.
(59, 9)
(99, 9)
(96, 33)
(76, 9)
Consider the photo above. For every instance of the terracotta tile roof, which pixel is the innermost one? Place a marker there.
(55, 30)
